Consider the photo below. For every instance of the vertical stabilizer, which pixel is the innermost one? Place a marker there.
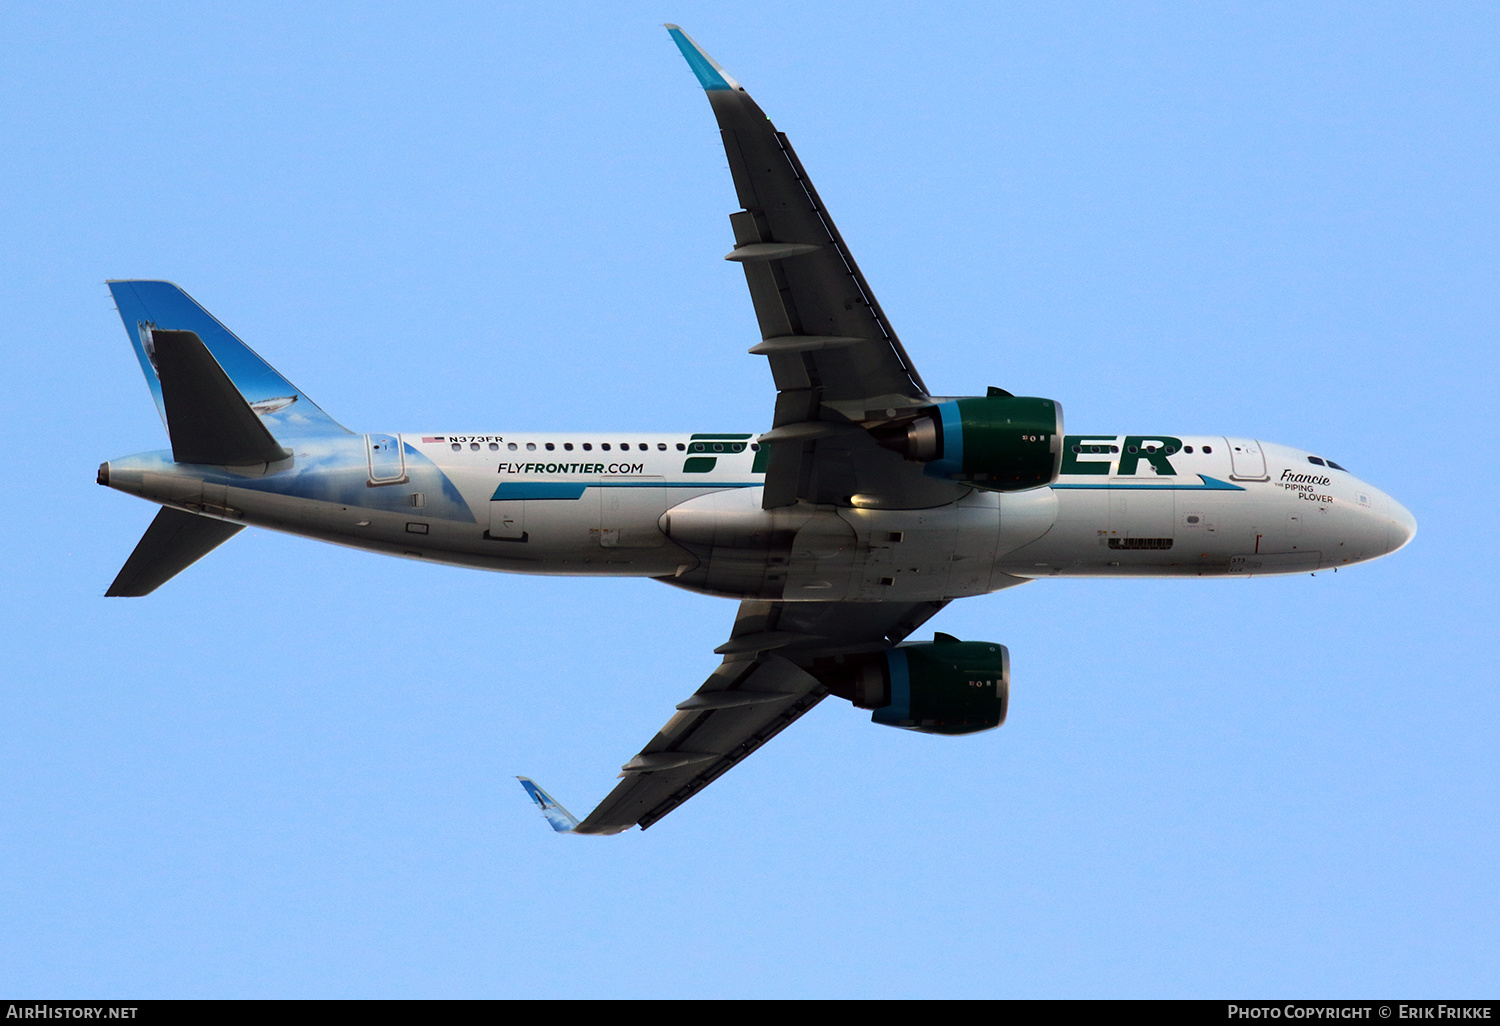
(147, 307)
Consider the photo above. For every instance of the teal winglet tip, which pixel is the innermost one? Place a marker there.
(710, 75)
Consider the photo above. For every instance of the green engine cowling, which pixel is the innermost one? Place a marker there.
(999, 442)
(946, 686)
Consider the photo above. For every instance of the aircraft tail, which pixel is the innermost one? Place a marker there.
(222, 406)
(210, 423)
(149, 308)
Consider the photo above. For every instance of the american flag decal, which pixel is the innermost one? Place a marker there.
(433, 438)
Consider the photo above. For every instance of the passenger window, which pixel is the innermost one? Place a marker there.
(1208, 448)
(661, 446)
(456, 447)
(604, 446)
(1188, 449)
(474, 446)
(550, 447)
(531, 447)
(588, 446)
(681, 447)
(511, 446)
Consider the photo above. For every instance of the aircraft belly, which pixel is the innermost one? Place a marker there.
(823, 554)
(925, 554)
(1125, 532)
(1074, 545)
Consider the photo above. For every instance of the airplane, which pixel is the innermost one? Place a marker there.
(867, 506)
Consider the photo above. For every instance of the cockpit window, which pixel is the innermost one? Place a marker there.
(1320, 461)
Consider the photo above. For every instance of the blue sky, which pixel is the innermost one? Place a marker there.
(289, 771)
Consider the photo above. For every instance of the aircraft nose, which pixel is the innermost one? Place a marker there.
(1403, 526)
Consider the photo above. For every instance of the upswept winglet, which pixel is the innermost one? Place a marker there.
(705, 67)
(563, 821)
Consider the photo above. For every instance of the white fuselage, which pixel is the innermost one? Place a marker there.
(687, 509)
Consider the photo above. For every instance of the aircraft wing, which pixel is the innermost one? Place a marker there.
(761, 687)
(839, 370)
(837, 363)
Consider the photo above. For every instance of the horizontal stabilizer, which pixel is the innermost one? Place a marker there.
(561, 819)
(207, 417)
(174, 541)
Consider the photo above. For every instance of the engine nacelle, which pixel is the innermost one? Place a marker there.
(999, 442)
(945, 686)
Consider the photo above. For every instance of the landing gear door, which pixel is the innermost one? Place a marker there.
(822, 562)
(387, 460)
(1248, 460)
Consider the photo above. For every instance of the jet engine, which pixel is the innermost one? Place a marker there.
(998, 442)
(945, 686)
